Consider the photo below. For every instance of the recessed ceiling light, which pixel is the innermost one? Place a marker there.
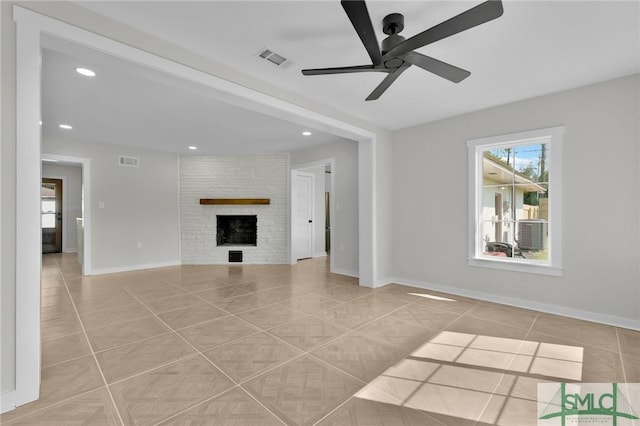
(40, 122)
(86, 72)
(65, 126)
(306, 133)
(193, 148)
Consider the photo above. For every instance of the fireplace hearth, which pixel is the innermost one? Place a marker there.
(237, 230)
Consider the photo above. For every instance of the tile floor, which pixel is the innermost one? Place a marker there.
(297, 345)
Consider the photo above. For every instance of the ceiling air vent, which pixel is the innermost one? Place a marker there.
(129, 161)
(272, 57)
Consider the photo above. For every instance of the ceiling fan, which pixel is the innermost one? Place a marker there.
(396, 54)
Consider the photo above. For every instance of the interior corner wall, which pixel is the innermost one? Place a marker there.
(7, 199)
(140, 204)
(344, 244)
(601, 207)
(384, 209)
(71, 200)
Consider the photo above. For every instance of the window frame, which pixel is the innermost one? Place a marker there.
(552, 136)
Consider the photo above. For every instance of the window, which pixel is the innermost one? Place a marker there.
(515, 201)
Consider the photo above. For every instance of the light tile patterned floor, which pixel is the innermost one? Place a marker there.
(298, 345)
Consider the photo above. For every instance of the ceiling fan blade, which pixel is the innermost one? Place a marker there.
(382, 87)
(344, 70)
(442, 69)
(359, 17)
(484, 12)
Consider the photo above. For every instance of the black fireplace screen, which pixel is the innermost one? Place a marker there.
(237, 230)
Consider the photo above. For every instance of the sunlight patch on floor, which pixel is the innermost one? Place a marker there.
(474, 377)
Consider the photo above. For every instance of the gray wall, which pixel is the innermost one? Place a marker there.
(140, 204)
(71, 200)
(7, 197)
(344, 199)
(600, 214)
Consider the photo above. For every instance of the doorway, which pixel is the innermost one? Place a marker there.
(321, 207)
(303, 202)
(51, 214)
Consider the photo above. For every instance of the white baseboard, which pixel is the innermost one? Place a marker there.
(101, 271)
(70, 250)
(526, 304)
(9, 402)
(345, 272)
(320, 254)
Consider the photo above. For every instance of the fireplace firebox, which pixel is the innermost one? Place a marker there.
(237, 230)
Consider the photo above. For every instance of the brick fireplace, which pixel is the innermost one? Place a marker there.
(233, 177)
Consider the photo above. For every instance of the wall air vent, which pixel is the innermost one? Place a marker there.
(273, 57)
(125, 160)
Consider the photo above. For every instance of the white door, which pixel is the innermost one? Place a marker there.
(303, 215)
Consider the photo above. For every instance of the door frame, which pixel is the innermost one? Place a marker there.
(332, 213)
(85, 164)
(32, 31)
(63, 209)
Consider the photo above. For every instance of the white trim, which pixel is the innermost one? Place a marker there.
(179, 211)
(28, 235)
(525, 304)
(346, 272)
(30, 28)
(552, 136)
(130, 268)
(9, 401)
(515, 265)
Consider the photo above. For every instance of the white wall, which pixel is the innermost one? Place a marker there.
(233, 176)
(140, 205)
(600, 223)
(344, 198)
(71, 200)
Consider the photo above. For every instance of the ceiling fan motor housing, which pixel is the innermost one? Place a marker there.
(390, 42)
(393, 23)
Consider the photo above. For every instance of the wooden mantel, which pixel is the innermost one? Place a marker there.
(234, 201)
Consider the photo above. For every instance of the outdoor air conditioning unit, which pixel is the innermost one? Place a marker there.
(532, 234)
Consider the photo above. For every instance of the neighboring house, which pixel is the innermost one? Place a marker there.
(505, 215)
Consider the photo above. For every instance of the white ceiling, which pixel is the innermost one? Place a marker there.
(535, 48)
(128, 104)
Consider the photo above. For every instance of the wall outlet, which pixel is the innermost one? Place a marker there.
(139, 244)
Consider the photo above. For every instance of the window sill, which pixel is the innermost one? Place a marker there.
(515, 266)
